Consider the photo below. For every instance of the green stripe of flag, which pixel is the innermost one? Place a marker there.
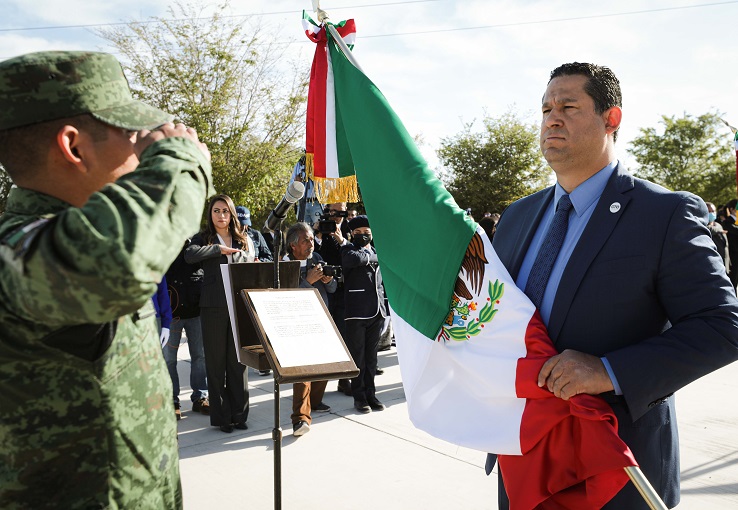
(343, 149)
(420, 233)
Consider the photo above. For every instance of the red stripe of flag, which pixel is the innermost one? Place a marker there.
(569, 460)
(315, 126)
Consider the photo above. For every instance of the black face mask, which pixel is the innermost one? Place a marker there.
(362, 240)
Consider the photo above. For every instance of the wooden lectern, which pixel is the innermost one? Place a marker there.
(312, 356)
(255, 275)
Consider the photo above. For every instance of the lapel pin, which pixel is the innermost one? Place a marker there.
(614, 207)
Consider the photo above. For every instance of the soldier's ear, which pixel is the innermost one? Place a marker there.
(68, 142)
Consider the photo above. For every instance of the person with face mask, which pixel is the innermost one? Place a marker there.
(365, 311)
(719, 235)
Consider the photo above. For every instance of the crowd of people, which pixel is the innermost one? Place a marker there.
(337, 258)
(724, 231)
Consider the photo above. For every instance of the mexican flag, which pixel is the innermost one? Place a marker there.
(469, 342)
(328, 159)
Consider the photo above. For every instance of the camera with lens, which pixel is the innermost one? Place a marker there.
(327, 225)
(334, 271)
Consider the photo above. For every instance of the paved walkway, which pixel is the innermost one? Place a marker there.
(350, 461)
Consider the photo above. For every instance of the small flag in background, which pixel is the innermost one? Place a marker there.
(470, 343)
(328, 160)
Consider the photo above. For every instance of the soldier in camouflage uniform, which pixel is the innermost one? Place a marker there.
(85, 398)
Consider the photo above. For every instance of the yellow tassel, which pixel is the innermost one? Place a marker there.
(309, 165)
(330, 191)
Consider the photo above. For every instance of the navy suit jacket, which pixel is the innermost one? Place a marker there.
(646, 288)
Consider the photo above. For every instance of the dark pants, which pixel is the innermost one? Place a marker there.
(338, 314)
(362, 339)
(227, 378)
(338, 310)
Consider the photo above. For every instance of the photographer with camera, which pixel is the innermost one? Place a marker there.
(308, 396)
(332, 227)
(365, 311)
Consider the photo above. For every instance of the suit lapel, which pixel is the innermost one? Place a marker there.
(598, 230)
(528, 227)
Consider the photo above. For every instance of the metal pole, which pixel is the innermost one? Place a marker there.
(277, 438)
(277, 430)
(644, 487)
(322, 16)
(277, 245)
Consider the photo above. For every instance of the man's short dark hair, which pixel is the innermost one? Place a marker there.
(731, 204)
(23, 150)
(602, 84)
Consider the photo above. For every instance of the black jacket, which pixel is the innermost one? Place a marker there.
(185, 286)
(209, 256)
(362, 283)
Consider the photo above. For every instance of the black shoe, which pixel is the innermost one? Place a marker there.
(265, 372)
(375, 404)
(201, 406)
(322, 408)
(241, 426)
(379, 371)
(226, 428)
(300, 428)
(344, 386)
(362, 407)
(177, 411)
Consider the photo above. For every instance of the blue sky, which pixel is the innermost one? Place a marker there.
(675, 59)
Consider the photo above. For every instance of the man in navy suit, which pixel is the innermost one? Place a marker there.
(637, 304)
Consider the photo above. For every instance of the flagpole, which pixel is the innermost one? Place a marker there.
(322, 16)
(644, 487)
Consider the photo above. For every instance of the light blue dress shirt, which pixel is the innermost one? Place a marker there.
(584, 198)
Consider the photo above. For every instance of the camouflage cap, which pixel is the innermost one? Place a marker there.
(50, 85)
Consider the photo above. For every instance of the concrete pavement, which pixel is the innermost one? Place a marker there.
(350, 461)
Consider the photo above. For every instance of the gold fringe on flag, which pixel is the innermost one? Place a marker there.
(330, 191)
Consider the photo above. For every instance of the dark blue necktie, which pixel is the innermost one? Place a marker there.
(547, 253)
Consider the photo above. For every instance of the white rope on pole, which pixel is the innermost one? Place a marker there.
(322, 16)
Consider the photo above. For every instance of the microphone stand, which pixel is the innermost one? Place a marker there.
(277, 430)
(277, 248)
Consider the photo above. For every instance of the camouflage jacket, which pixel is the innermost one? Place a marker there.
(85, 398)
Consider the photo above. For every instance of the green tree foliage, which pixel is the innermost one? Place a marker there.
(224, 77)
(5, 184)
(691, 154)
(490, 169)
